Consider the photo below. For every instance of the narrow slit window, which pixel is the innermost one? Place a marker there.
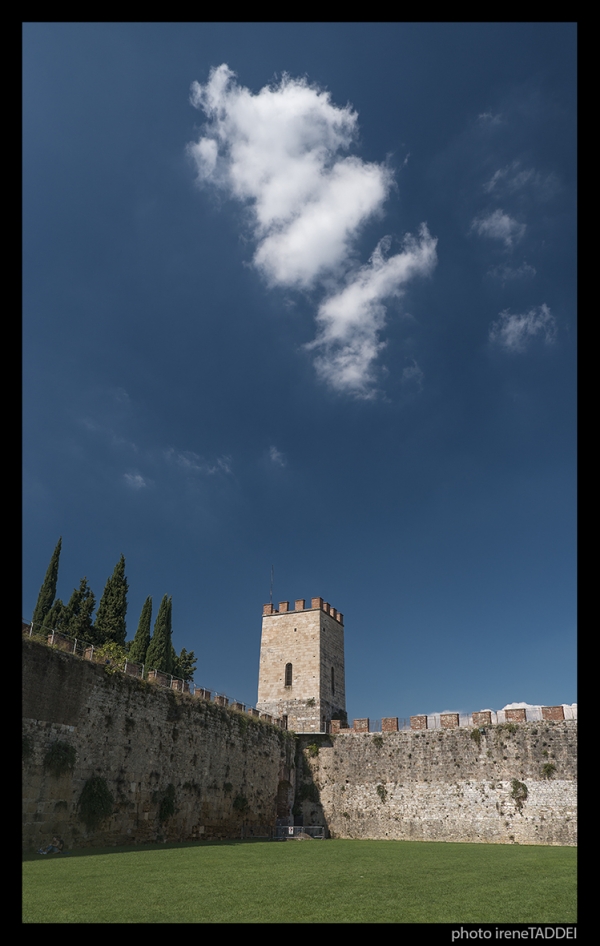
(288, 675)
(332, 681)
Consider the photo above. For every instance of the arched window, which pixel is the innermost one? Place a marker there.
(288, 675)
(332, 681)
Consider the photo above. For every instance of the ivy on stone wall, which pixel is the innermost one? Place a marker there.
(167, 803)
(519, 793)
(60, 758)
(95, 802)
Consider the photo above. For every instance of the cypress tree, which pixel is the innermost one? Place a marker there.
(48, 590)
(78, 614)
(139, 645)
(184, 665)
(110, 619)
(55, 618)
(159, 655)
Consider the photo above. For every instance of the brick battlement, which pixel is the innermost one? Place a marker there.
(300, 605)
(455, 721)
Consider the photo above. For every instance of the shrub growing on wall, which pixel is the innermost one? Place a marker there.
(519, 793)
(167, 803)
(27, 751)
(60, 758)
(95, 802)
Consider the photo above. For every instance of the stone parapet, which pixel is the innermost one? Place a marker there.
(515, 715)
(418, 722)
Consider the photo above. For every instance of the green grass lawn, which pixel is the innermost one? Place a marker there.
(303, 882)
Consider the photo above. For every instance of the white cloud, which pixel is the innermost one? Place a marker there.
(515, 332)
(282, 152)
(349, 321)
(276, 457)
(135, 481)
(499, 226)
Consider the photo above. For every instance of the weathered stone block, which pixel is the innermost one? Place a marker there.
(418, 722)
(517, 715)
(483, 718)
(553, 712)
(449, 720)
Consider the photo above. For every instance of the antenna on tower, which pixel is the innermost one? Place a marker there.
(271, 591)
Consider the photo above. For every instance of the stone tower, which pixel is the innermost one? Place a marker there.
(301, 677)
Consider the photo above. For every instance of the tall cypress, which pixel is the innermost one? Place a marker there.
(48, 590)
(55, 618)
(159, 654)
(78, 614)
(110, 619)
(139, 645)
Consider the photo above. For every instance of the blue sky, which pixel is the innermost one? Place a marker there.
(304, 295)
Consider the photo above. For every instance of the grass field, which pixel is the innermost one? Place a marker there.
(303, 881)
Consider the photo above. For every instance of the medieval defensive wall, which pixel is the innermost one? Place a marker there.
(178, 767)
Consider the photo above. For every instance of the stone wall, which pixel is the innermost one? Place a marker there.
(444, 785)
(226, 767)
(510, 783)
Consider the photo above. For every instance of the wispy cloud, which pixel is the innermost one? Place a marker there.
(412, 376)
(513, 177)
(135, 480)
(508, 179)
(489, 118)
(499, 226)
(193, 463)
(276, 457)
(283, 153)
(515, 332)
(506, 273)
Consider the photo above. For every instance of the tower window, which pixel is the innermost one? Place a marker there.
(288, 675)
(332, 681)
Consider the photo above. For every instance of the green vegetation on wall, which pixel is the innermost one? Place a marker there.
(167, 803)
(60, 758)
(518, 793)
(95, 802)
